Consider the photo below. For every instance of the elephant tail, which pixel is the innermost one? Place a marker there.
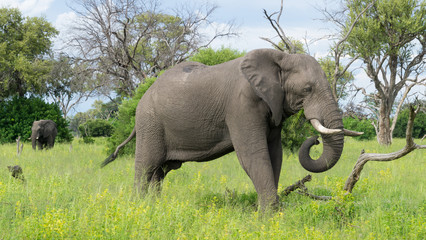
(113, 156)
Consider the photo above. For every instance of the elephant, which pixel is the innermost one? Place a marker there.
(194, 112)
(43, 134)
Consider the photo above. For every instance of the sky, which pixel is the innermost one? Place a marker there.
(300, 20)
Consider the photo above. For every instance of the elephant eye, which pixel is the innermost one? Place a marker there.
(307, 89)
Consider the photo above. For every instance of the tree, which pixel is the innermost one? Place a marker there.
(70, 83)
(24, 42)
(126, 42)
(338, 76)
(390, 38)
(339, 82)
(209, 56)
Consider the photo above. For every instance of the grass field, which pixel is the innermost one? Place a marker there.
(67, 196)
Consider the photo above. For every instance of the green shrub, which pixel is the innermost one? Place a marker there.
(96, 128)
(360, 125)
(18, 114)
(126, 120)
(209, 56)
(419, 127)
(295, 130)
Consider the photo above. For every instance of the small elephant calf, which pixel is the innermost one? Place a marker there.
(16, 172)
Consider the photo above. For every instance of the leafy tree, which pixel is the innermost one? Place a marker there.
(209, 56)
(18, 114)
(69, 83)
(23, 44)
(390, 39)
(343, 81)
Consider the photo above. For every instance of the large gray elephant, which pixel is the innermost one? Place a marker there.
(43, 134)
(198, 113)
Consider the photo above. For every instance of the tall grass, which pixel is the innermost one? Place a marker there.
(67, 195)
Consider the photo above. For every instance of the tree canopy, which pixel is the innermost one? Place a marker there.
(24, 43)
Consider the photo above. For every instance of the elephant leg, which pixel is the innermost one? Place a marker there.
(149, 158)
(275, 152)
(40, 145)
(50, 142)
(160, 173)
(253, 153)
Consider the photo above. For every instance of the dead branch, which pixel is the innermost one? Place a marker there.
(304, 190)
(322, 198)
(276, 25)
(299, 184)
(365, 157)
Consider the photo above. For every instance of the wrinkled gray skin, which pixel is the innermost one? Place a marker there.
(198, 113)
(43, 134)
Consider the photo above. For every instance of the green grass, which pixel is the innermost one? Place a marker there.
(67, 196)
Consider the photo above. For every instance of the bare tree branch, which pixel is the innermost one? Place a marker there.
(276, 25)
(365, 157)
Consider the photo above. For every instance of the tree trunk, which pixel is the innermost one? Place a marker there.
(384, 131)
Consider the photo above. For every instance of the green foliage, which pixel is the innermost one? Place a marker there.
(343, 82)
(96, 128)
(23, 43)
(18, 114)
(419, 127)
(386, 27)
(126, 120)
(298, 45)
(67, 196)
(296, 129)
(210, 57)
(360, 125)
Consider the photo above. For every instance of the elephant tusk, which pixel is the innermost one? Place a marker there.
(323, 130)
(351, 133)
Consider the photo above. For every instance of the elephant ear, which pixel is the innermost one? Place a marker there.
(262, 70)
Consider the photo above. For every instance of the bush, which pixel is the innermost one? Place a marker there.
(96, 128)
(18, 114)
(419, 127)
(296, 129)
(360, 125)
(126, 120)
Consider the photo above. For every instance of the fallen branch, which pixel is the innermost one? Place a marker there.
(304, 190)
(365, 157)
(299, 184)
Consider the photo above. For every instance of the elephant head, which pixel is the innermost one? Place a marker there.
(290, 82)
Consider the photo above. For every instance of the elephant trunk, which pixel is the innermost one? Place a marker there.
(33, 140)
(332, 147)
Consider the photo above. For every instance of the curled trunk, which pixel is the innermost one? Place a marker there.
(332, 149)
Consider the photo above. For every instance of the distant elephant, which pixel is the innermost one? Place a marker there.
(43, 134)
(194, 112)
